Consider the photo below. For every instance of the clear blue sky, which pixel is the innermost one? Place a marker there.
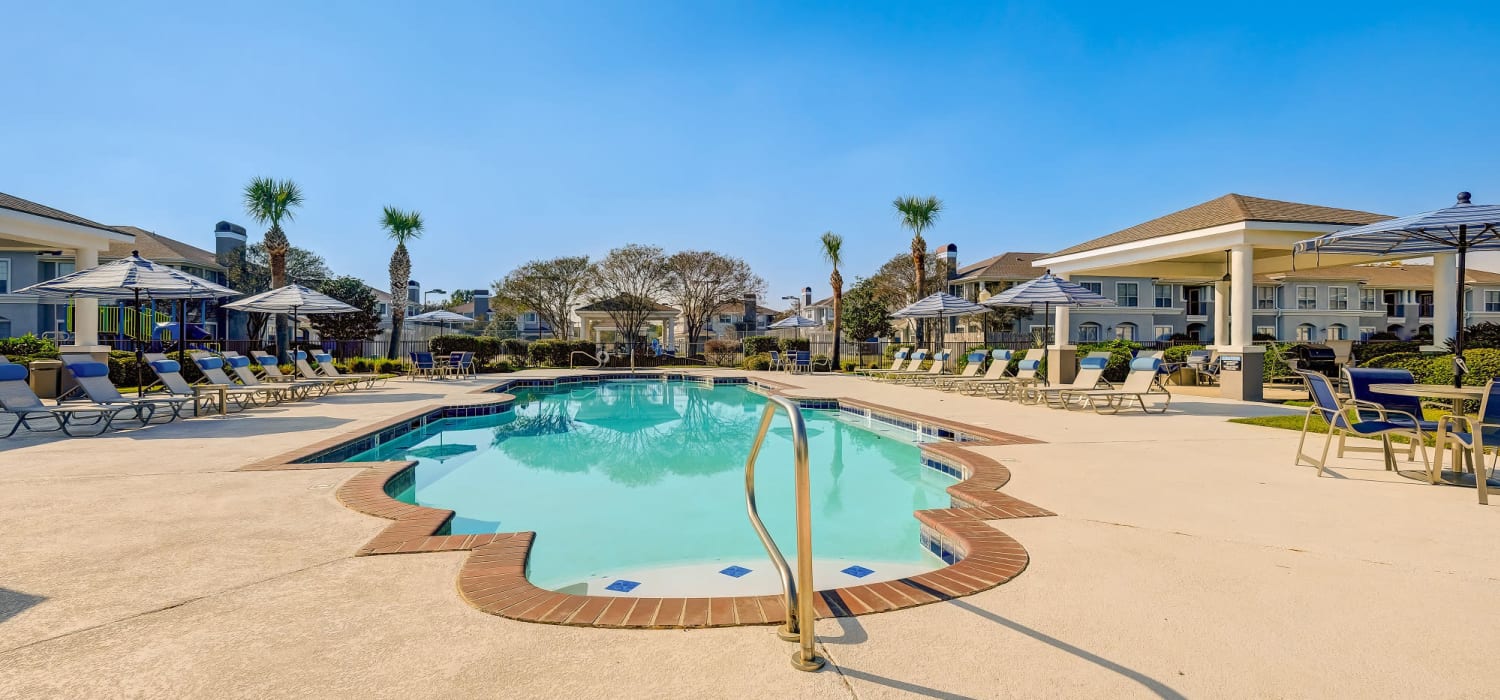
(523, 132)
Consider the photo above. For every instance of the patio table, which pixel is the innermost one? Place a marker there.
(1458, 395)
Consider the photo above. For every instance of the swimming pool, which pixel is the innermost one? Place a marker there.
(637, 488)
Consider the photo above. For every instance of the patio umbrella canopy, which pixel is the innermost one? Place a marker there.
(290, 300)
(1458, 229)
(939, 306)
(440, 316)
(798, 322)
(130, 278)
(1048, 291)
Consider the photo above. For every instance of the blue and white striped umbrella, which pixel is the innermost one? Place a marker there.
(1463, 227)
(795, 322)
(131, 277)
(1048, 291)
(939, 305)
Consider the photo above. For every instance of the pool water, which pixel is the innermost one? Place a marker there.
(637, 487)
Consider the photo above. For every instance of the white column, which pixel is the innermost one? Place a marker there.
(1444, 299)
(1062, 328)
(86, 311)
(1221, 314)
(1241, 295)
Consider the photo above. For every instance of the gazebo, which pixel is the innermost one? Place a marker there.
(597, 324)
(1222, 243)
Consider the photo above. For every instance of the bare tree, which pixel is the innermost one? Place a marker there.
(700, 281)
(551, 288)
(627, 285)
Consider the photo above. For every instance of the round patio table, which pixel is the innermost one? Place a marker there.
(1457, 395)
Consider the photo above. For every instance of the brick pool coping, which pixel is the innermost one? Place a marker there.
(493, 577)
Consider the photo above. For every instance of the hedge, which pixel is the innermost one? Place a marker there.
(1435, 368)
(484, 348)
(29, 346)
(759, 362)
(556, 352)
(795, 344)
(1363, 352)
(1121, 352)
(757, 344)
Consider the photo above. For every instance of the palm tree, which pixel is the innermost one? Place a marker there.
(402, 226)
(833, 252)
(918, 214)
(268, 201)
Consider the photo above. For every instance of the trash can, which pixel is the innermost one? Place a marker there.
(46, 378)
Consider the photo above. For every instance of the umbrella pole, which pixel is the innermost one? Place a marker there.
(140, 390)
(1459, 366)
(182, 332)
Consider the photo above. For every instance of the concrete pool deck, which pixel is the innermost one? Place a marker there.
(1188, 557)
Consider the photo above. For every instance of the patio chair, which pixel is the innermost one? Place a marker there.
(271, 369)
(462, 363)
(93, 380)
(423, 364)
(1136, 387)
(775, 360)
(1204, 365)
(1090, 375)
(897, 361)
(1347, 419)
(240, 365)
(213, 371)
(1401, 410)
(169, 376)
(307, 373)
(801, 361)
(1026, 374)
(938, 367)
(999, 365)
(973, 362)
(20, 402)
(913, 366)
(330, 371)
(1471, 437)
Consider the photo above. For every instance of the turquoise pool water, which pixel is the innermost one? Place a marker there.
(643, 482)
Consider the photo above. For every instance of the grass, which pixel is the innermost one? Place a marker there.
(1294, 422)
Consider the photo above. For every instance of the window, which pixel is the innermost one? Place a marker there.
(1338, 298)
(1095, 287)
(531, 317)
(1126, 294)
(1088, 333)
(1265, 297)
(724, 319)
(1424, 304)
(1125, 331)
(1266, 331)
(1336, 331)
(4, 327)
(1164, 296)
(382, 309)
(1305, 332)
(1492, 301)
(5, 281)
(1162, 332)
(1365, 332)
(1369, 299)
(1307, 298)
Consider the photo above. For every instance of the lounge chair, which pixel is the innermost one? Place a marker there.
(240, 365)
(896, 362)
(307, 373)
(213, 371)
(272, 371)
(169, 375)
(1090, 374)
(20, 402)
(999, 365)
(93, 380)
(938, 367)
(1025, 375)
(326, 366)
(1136, 387)
(974, 362)
(913, 366)
(1348, 419)
(1474, 436)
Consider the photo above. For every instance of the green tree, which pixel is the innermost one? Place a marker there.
(401, 226)
(865, 312)
(918, 214)
(248, 269)
(833, 251)
(550, 288)
(362, 325)
(270, 201)
(460, 297)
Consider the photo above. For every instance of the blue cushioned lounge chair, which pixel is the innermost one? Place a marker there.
(329, 370)
(169, 376)
(213, 371)
(20, 402)
(93, 379)
(1359, 421)
(1137, 386)
(999, 367)
(1472, 436)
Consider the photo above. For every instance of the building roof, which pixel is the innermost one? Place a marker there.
(1002, 266)
(1403, 276)
(614, 304)
(734, 308)
(159, 248)
(1229, 209)
(24, 206)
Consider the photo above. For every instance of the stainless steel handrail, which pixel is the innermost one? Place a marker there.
(798, 592)
(598, 360)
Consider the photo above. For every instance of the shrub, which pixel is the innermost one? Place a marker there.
(1263, 338)
(1363, 352)
(1479, 335)
(757, 344)
(1383, 336)
(850, 365)
(556, 352)
(500, 366)
(794, 344)
(1435, 368)
(1275, 361)
(29, 346)
(384, 366)
(721, 352)
(361, 365)
(515, 347)
(821, 361)
(1179, 353)
(1405, 360)
(1121, 352)
(484, 348)
(122, 369)
(759, 362)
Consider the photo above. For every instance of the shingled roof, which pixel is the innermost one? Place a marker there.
(1403, 276)
(159, 248)
(25, 206)
(616, 304)
(1002, 266)
(1229, 209)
